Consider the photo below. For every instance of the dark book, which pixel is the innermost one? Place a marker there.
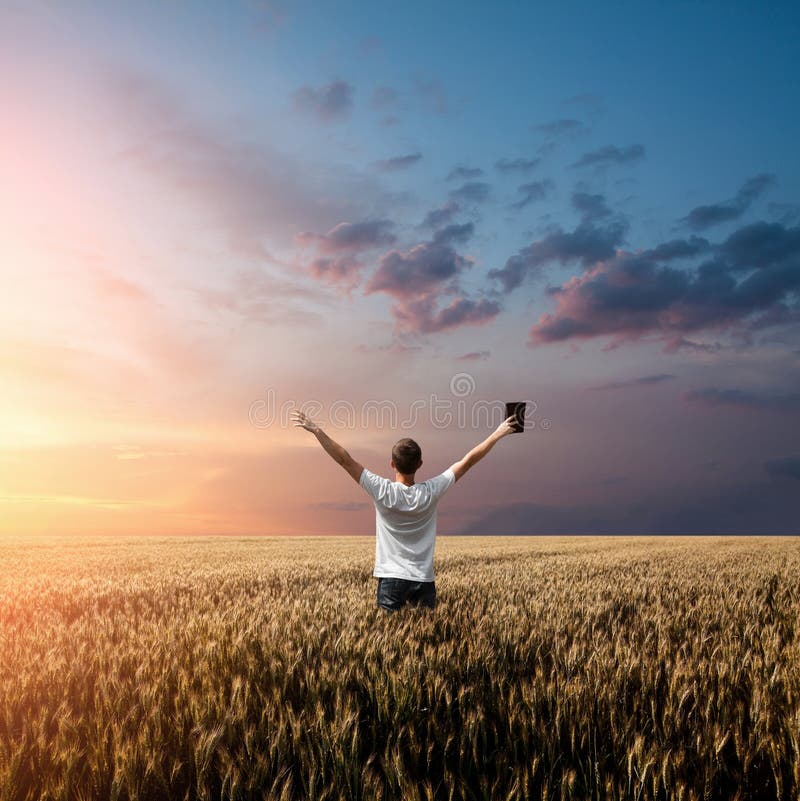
(517, 410)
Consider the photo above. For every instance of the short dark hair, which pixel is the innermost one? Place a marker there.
(406, 455)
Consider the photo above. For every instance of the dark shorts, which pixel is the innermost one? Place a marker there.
(396, 592)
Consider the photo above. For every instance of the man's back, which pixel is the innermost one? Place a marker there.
(405, 524)
(405, 512)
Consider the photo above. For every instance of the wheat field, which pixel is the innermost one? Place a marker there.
(260, 668)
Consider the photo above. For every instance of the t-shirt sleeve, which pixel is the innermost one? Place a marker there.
(441, 483)
(373, 484)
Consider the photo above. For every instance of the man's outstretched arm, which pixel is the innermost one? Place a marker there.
(336, 451)
(479, 451)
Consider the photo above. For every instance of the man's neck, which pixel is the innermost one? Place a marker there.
(407, 480)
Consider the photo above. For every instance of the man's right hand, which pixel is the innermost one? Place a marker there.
(506, 427)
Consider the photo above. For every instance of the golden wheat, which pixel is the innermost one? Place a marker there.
(552, 668)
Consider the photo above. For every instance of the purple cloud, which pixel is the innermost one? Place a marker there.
(742, 399)
(442, 215)
(645, 380)
(474, 356)
(344, 271)
(418, 279)
(558, 127)
(742, 287)
(789, 466)
(590, 207)
(397, 162)
(702, 217)
(679, 248)
(432, 94)
(516, 165)
(464, 173)
(531, 192)
(351, 236)
(338, 263)
(330, 102)
(417, 270)
(383, 97)
(758, 508)
(610, 154)
(587, 243)
(760, 245)
(421, 316)
(454, 233)
(471, 192)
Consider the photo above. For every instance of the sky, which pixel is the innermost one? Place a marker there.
(401, 216)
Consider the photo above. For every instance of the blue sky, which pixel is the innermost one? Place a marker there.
(593, 205)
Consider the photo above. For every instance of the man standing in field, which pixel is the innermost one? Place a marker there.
(405, 512)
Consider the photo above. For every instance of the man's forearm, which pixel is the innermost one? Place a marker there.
(479, 451)
(334, 449)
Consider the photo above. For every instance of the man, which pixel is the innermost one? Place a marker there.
(405, 512)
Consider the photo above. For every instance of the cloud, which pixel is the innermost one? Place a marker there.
(464, 173)
(397, 162)
(702, 217)
(760, 245)
(328, 103)
(417, 270)
(588, 244)
(441, 215)
(739, 509)
(348, 236)
(473, 191)
(258, 296)
(256, 194)
(474, 356)
(454, 233)
(584, 99)
(683, 343)
(753, 272)
(680, 248)
(432, 94)
(536, 190)
(110, 284)
(383, 97)
(610, 154)
(338, 263)
(742, 399)
(267, 14)
(645, 380)
(344, 271)
(591, 207)
(558, 127)
(422, 316)
(370, 44)
(422, 278)
(787, 213)
(789, 466)
(516, 165)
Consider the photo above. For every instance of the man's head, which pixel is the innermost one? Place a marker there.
(406, 457)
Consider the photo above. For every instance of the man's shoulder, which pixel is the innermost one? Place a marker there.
(373, 483)
(444, 478)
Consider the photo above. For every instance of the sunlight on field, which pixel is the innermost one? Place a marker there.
(246, 668)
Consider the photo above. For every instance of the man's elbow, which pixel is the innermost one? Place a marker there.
(459, 468)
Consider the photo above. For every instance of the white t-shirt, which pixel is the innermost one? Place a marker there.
(405, 524)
